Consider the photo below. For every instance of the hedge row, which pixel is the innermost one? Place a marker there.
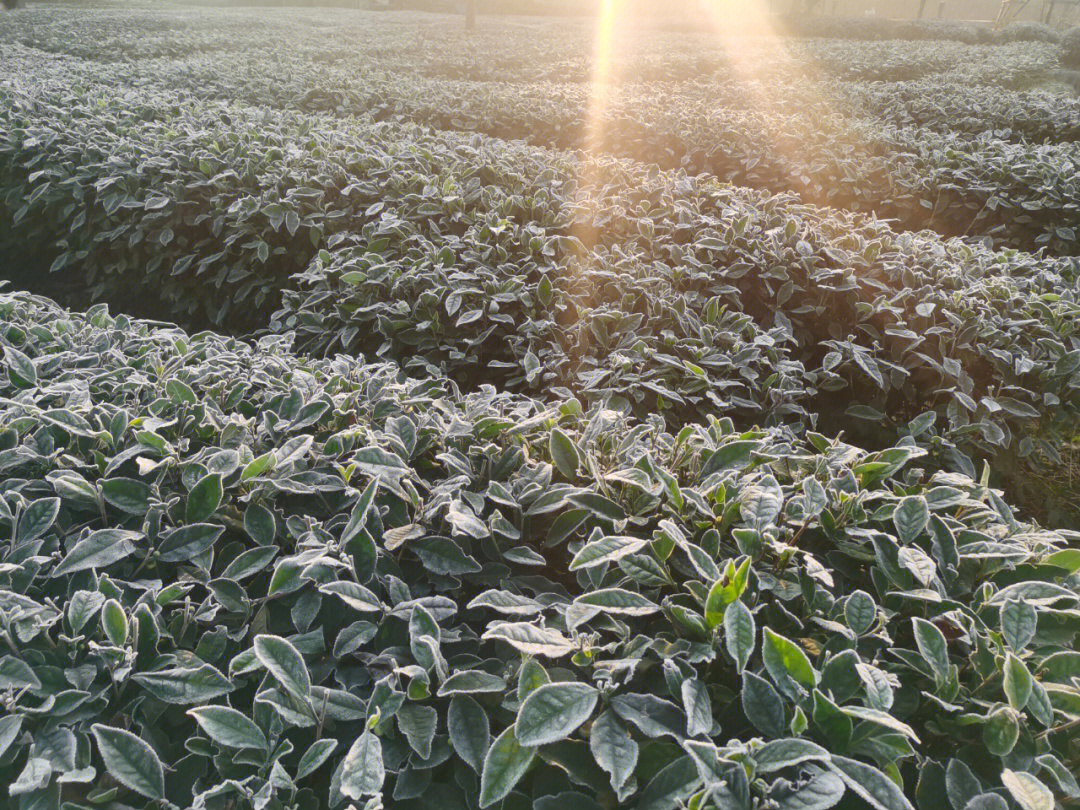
(1016, 193)
(519, 51)
(203, 212)
(493, 262)
(716, 301)
(885, 28)
(972, 110)
(234, 577)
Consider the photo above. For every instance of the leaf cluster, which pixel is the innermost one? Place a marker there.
(233, 576)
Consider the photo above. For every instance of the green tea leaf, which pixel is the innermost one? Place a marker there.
(504, 765)
(317, 753)
(204, 499)
(860, 612)
(1018, 623)
(564, 454)
(187, 542)
(98, 550)
(1017, 682)
(911, 518)
(605, 550)
(130, 761)
(470, 735)
(869, 783)
(933, 647)
(285, 663)
(229, 727)
(740, 634)
(613, 748)
(1030, 793)
(20, 368)
(37, 519)
(184, 685)
(553, 712)
(362, 770)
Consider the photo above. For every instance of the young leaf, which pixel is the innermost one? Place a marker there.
(785, 659)
(362, 770)
(114, 622)
(740, 634)
(531, 677)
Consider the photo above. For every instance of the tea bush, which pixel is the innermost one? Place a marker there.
(1070, 48)
(236, 577)
(496, 262)
(972, 110)
(540, 479)
(434, 45)
(1017, 189)
(717, 301)
(152, 203)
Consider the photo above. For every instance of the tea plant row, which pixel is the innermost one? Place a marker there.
(236, 576)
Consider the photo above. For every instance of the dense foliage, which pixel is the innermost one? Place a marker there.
(522, 51)
(495, 262)
(825, 131)
(521, 475)
(300, 583)
(1070, 48)
(709, 299)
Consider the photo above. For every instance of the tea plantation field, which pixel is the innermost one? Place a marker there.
(396, 417)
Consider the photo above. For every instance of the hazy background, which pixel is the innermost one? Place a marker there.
(682, 11)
